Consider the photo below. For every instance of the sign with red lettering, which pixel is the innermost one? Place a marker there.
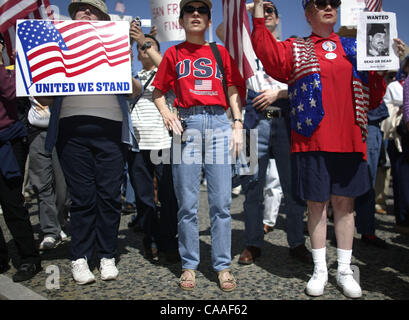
(165, 16)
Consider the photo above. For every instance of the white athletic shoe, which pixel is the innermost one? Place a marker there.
(317, 283)
(49, 243)
(108, 269)
(349, 286)
(81, 272)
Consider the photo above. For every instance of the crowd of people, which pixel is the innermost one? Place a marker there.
(317, 149)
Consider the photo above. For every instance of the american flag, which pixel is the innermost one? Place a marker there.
(374, 5)
(70, 47)
(237, 36)
(203, 85)
(11, 10)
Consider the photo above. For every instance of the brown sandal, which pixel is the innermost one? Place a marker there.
(230, 280)
(187, 282)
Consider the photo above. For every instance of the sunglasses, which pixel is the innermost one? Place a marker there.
(322, 4)
(270, 10)
(91, 9)
(200, 10)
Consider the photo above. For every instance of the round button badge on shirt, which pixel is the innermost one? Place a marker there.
(331, 56)
(329, 46)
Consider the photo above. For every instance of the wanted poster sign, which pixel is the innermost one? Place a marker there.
(376, 31)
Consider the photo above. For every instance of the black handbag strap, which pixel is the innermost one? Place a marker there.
(219, 62)
(144, 88)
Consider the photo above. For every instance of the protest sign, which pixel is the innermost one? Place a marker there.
(72, 57)
(350, 10)
(165, 16)
(375, 34)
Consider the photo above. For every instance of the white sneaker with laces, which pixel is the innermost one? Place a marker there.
(317, 283)
(81, 272)
(108, 269)
(349, 286)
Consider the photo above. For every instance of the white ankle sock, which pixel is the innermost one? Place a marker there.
(344, 259)
(319, 258)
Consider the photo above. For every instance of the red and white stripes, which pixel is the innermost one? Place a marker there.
(373, 5)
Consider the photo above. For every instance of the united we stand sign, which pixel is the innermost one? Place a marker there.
(72, 58)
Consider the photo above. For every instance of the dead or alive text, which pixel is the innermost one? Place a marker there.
(82, 87)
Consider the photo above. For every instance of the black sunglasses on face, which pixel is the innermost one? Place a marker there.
(90, 8)
(200, 10)
(322, 4)
(270, 10)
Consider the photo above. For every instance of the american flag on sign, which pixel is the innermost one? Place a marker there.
(237, 36)
(203, 85)
(11, 10)
(69, 47)
(374, 5)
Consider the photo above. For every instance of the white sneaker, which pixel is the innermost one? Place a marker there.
(81, 272)
(349, 286)
(317, 283)
(49, 243)
(108, 269)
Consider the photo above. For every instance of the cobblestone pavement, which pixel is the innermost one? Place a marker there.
(384, 273)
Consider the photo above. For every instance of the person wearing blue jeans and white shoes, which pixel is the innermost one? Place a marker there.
(192, 72)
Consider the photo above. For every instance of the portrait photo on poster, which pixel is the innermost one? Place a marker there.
(375, 45)
(377, 41)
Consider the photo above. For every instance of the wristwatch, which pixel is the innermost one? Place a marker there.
(146, 45)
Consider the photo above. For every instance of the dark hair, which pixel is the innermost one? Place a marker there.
(377, 28)
(182, 12)
(1, 39)
(274, 7)
(153, 38)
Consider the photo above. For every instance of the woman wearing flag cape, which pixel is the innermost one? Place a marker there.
(329, 100)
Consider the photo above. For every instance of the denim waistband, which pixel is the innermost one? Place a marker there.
(201, 110)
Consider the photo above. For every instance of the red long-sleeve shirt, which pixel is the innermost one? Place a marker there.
(338, 131)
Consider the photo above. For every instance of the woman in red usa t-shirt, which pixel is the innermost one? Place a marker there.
(203, 137)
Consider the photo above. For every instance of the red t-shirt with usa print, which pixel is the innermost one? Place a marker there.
(199, 80)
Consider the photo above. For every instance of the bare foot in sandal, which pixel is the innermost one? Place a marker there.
(187, 280)
(227, 281)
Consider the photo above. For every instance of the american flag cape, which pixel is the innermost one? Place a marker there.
(237, 36)
(10, 11)
(68, 48)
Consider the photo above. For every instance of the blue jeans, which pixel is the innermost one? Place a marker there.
(206, 146)
(365, 204)
(273, 142)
